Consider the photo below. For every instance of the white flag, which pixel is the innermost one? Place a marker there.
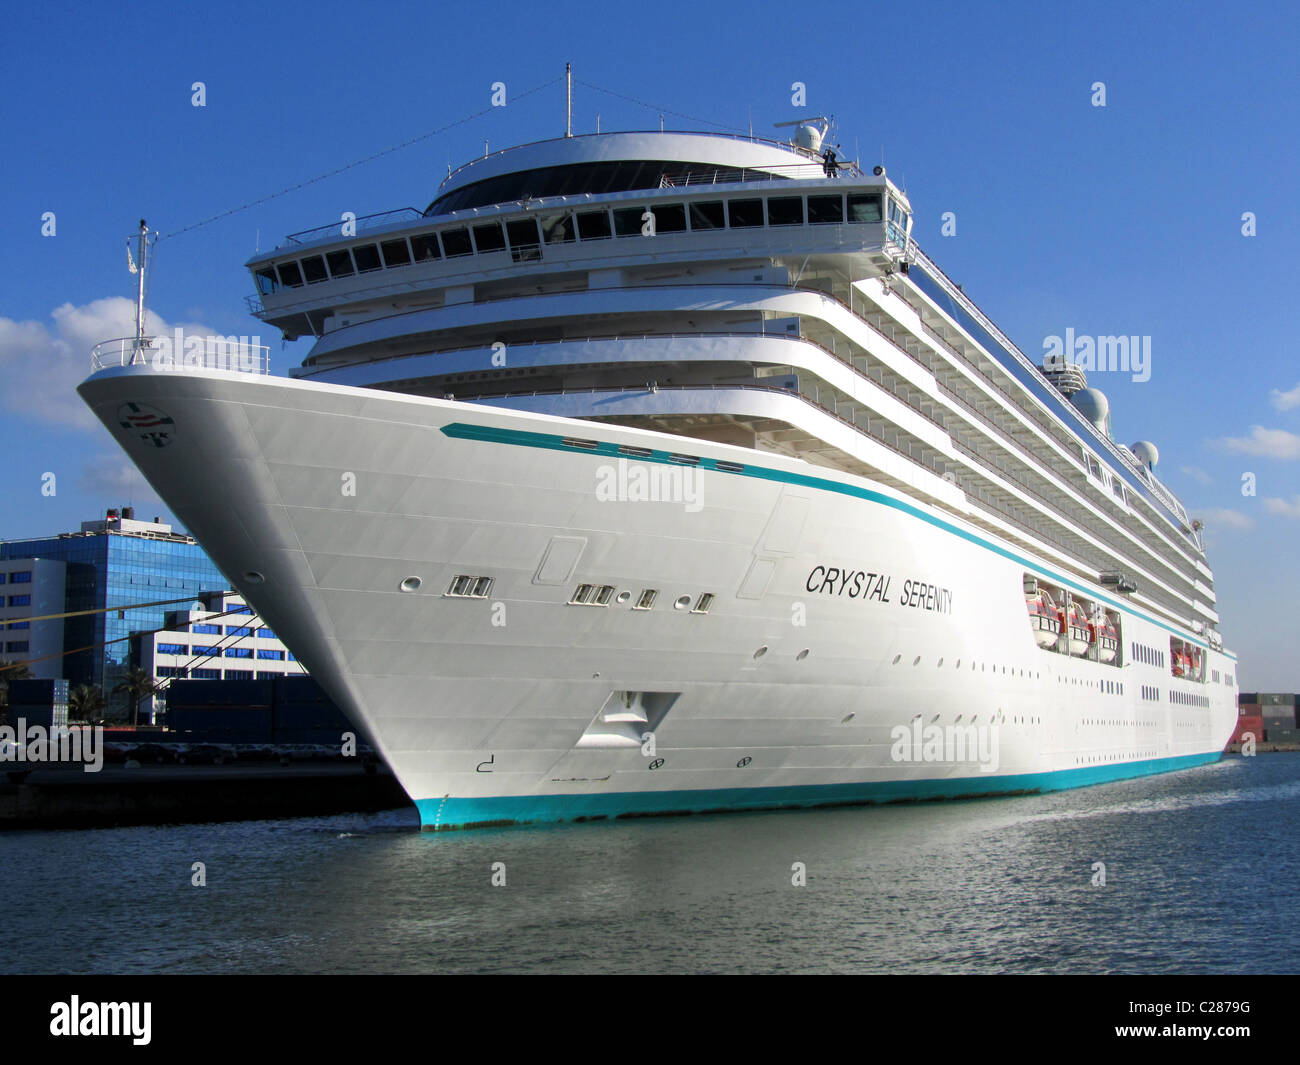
(130, 262)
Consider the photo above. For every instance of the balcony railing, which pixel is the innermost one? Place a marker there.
(181, 353)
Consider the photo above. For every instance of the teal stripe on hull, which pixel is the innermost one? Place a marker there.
(449, 813)
(552, 442)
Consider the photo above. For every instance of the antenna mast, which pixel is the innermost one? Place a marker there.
(568, 110)
(142, 251)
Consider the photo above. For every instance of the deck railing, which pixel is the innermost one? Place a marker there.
(181, 353)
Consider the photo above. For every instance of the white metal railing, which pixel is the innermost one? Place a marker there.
(181, 353)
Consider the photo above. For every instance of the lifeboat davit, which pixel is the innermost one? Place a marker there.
(1043, 619)
(1080, 632)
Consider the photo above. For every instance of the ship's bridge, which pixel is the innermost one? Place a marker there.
(619, 162)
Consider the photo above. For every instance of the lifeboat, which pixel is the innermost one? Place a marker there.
(1080, 631)
(1178, 664)
(1044, 619)
(1107, 637)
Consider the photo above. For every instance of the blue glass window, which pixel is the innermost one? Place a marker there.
(266, 634)
(233, 630)
(239, 674)
(21, 577)
(20, 600)
(173, 649)
(239, 652)
(273, 656)
(206, 630)
(205, 674)
(16, 645)
(206, 650)
(20, 624)
(2, 578)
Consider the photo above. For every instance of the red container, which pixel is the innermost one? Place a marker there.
(1254, 725)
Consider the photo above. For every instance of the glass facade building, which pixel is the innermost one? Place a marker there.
(109, 567)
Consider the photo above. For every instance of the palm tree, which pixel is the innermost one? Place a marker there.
(10, 671)
(86, 703)
(138, 684)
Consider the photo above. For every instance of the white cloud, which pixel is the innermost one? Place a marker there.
(1270, 443)
(1286, 400)
(42, 364)
(1221, 517)
(1196, 474)
(1281, 506)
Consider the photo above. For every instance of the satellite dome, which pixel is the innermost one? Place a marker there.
(1092, 404)
(1146, 452)
(808, 136)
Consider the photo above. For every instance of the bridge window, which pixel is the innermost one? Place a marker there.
(367, 258)
(425, 247)
(488, 237)
(396, 252)
(290, 276)
(706, 215)
(456, 242)
(266, 282)
(744, 214)
(864, 207)
(522, 233)
(593, 225)
(313, 269)
(785, 211)
(340, 263)
(824, 210)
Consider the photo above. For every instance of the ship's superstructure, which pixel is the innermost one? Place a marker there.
(645, 472)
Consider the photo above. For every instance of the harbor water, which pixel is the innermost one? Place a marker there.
(1186, 872)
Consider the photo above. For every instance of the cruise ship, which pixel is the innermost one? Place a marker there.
(662, 472)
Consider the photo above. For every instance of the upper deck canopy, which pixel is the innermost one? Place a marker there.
(618, 162)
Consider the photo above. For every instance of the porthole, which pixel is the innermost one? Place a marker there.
(411, 584)
(897, 659)
(916, 661)
(939, 665)
(683, 602)
(801, 655)
(761, 651)
(623, 597)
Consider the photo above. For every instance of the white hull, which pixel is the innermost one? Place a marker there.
(484, 708)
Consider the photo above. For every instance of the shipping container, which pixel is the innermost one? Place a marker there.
(1277, 699)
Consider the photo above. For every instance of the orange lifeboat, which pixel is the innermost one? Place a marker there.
(1080, 632)
(1044, 619)
(1107, 637)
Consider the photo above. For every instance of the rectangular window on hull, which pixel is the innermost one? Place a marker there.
(522, 233)
(745, 214)
(864, 207)
(707, 215)
(593, 225)
(784, 211)
(627, 221)
(396, 253)
(456, 242)
(488, 237)
(340, 263)
(825, 210)
(367, 258)
(313, 269)
(425, 247)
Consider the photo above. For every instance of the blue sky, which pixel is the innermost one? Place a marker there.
(1123, 219)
